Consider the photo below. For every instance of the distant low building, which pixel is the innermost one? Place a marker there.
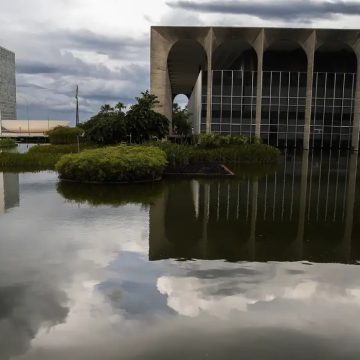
(39, 127)
(7, 84)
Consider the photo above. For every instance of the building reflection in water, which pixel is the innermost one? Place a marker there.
(306, 210)
(9, 191)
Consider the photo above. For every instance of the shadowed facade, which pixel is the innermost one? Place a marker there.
(291, 87)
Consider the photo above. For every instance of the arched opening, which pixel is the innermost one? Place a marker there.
(182, 117)
(187, 62)
(234, 83)
(235, 54)
(181, 100)
(335, 66)
(284, 94)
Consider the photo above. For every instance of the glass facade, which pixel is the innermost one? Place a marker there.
(234, 102)
(283, 106)
(332, 109)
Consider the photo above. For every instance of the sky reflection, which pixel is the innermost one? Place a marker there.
(85, 279)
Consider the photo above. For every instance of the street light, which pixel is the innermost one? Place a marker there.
(0, 123)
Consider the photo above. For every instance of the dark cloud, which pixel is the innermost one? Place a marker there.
(283, 9)
(34, 68)
(115, 47)
(24, 309)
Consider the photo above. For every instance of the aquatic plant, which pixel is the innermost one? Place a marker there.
(113, 164)
(7, 143)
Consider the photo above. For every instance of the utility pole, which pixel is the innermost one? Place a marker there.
(0, 123)
(77, 122)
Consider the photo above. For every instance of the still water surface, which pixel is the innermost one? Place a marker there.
(261, 266)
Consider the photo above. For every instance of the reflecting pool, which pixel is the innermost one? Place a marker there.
(258, 266)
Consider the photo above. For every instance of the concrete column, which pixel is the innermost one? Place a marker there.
(259, 47)
(302, 206)
(309, 46)
(159, 77)
(356, 120)
(209, 51)
(350, 203)
(254, 207)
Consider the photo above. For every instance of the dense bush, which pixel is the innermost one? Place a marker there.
(107, 127)
(59, 149)
(7, 143)
(213, 140)
(179, 155)
(113, 164)
(143, 123)
(181, 121)
(64, 135)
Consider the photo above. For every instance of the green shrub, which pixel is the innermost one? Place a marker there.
(28, 161)
(113, 164)
(239, 140)
(64, 135)
(143, 123)
(211, 140)
(108, 126)
(7, 143)
(40, 157)
(59, 149)
(180, 155)
(181, 121)
(256, 140)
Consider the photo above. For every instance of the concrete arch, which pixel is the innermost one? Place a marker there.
(235, 54)
(185, 60)
(335, 56)
(285, 55)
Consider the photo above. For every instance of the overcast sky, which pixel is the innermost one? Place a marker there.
(104, 45)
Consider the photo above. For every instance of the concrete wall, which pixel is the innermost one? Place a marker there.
(7, 84)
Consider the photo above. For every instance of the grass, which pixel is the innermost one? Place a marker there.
(40, 157)
(7, 143)
(59, 149)
(45, 157)
(28, 161)
(113, 164)
(180, 155)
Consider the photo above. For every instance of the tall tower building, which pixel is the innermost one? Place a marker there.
(7, 85)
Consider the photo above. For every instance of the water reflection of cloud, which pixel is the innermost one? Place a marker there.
(53, 256)
(311, 286)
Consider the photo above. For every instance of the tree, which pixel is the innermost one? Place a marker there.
(108, 126)
(143, 123)
(181, 121)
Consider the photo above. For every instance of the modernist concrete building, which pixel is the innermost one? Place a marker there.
(291, 87)
(7, 85)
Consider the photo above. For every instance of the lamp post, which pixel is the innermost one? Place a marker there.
(0, 123)
(77, 120)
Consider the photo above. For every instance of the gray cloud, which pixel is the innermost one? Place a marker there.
(47, 79)
(283, 9)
